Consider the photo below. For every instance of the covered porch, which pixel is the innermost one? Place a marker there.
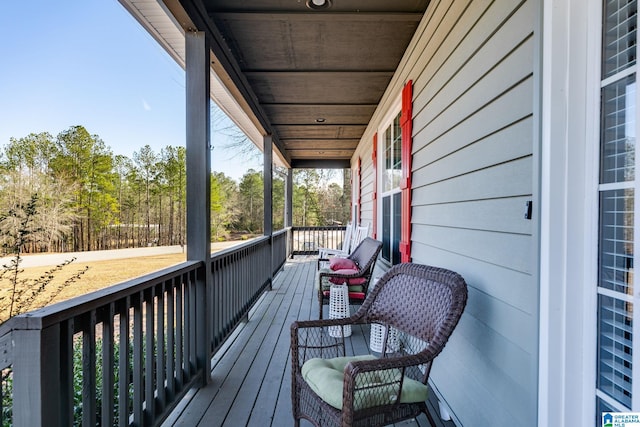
(445, 169)
(145, 352)
(251, 375)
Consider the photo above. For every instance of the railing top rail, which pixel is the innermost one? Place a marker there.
(238, 248)
(282, 231)
(6, 353)
(319, 227)
(46, 316)
(185, 337)
(55, 313)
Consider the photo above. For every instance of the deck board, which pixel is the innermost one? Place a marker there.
(251, 376)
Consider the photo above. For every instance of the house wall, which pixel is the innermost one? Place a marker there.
(474, 168)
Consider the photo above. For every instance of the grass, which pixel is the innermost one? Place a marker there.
(100, 274)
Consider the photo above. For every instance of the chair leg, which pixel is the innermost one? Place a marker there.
(432, 423)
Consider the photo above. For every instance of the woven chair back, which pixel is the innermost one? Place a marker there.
(365, 254)
(423, 303)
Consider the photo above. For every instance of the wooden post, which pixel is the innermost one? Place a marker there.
(288, 199)
(37, 395)
(288, 210)
(199, 184)
(268, 198)
(268, 185)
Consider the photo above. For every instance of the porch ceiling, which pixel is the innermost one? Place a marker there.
(310, 78)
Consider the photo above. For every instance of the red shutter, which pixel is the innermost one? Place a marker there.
(359, 190)
(374, 158)
(406, 122)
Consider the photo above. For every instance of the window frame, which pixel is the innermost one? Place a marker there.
(393, 112)
(602, 187)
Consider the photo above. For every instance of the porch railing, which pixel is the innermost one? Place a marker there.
(281, 249)
(240, 275)
(307, 240)
(127, 354)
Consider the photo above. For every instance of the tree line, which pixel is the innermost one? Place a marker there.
(87, 198)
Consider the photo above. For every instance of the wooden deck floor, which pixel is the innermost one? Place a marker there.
(251, 376)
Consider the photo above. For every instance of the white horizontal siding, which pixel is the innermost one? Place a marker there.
(503, 249)
(515, 288)
(511, 142)
(504, 180)
(366, 187)
(449, 73)
(471, 63)
(501, 215)
(472, 176)
(491, 395)
(500, 113)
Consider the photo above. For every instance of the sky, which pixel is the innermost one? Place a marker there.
(88, 62)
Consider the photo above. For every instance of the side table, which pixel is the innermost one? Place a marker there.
(339, 309)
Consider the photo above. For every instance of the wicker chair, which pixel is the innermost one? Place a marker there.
(364, 256)
(423, 304)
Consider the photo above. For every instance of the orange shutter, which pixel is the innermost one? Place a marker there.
(406, 122)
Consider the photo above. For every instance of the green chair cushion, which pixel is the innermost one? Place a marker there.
(326, 377)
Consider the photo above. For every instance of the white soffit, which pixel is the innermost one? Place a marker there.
(154, 17)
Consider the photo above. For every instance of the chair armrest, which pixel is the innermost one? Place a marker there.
(325, 249)
(379, 381)
(310, 339)
(329, 252)
(396, 362)
(332, 274)
(321, 260)
(325, 253)
(332, 252)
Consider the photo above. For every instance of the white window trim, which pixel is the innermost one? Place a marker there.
(592, 207)
(387, 120)
(568, 203)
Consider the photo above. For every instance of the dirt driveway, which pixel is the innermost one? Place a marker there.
(81, 257)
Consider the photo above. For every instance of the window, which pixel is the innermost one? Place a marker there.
(393, 178)
(391, 158)
(616, 252)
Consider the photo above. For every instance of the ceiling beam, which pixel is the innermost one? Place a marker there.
(198, 14)
(321, 144)
(318, 16)
(328, 74)
(321, 154)
(321, 164)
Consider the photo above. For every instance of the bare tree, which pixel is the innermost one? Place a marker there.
(235, 141)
